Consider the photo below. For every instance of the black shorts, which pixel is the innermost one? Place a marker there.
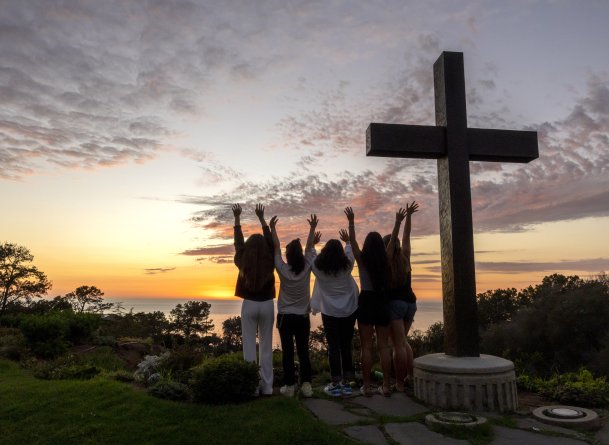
(373, 308)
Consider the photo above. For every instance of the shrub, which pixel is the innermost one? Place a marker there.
(564, 327)
(102, 357)
(170, 390)
(576, 388)
(180, 363)
(81, 326)
(122, 375)
(45, 334)
(148, 370)
(224, 379)
(429, 342)
(12, 344)
(66, 367)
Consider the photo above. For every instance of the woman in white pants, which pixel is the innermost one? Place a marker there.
(256, 285)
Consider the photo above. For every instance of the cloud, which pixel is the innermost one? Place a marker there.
(223, 249)
(158, 270)
(97, 84)
(589, 265)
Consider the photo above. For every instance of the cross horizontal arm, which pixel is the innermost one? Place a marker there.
(502, 145)
(405, 141)
(427, 142)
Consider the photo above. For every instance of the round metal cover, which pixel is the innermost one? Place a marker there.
(565, 413)
(455, 417)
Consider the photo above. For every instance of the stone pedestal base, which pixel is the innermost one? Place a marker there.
(485, 383)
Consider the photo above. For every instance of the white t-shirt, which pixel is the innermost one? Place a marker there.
(294, 289)
(334, 295)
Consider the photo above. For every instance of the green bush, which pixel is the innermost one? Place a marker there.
(224, 379)
(576, 388)
(102, 357)
(12, 344)
(122, 375)
(66, 367)
(562, 327)
(180, 363)
(46, 334)
(170, 390)
(81, 326)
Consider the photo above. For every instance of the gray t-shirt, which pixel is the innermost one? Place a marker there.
(294, 289)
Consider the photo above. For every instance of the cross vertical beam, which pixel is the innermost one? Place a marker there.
(456, 228)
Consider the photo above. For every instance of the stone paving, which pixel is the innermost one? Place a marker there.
(398, 419)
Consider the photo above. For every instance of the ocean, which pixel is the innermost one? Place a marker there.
(428, 312)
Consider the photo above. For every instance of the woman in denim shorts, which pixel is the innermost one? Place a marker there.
(403, 301)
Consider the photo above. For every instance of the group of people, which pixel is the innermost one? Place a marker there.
(383, 305)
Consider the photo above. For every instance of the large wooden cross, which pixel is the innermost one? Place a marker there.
(454, 145)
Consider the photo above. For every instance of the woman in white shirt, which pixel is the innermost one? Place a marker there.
(293, 308)
(335, 296)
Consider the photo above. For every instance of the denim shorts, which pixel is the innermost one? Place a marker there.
(402, 310)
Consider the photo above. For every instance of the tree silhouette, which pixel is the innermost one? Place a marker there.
(88, 299)
(191, 320)
(19, 279)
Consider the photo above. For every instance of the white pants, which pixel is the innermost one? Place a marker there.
(258, 317)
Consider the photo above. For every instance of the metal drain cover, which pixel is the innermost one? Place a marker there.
(565, 413)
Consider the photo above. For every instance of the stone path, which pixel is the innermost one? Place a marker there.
(398, 419)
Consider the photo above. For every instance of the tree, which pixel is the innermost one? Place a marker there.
(231, 334)
(191, 319)
(19, 280)
(88, 299)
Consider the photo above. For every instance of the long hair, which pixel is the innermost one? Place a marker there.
(332, 259)
(399, 265)
(295, 257)
(374, 260)
(256, 263)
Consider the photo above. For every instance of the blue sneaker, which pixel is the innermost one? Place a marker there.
(346, 390)
(333, 389)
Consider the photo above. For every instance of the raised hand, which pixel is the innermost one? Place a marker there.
(350, 214)
(236, 210)
(259, 210)
(411, 208)
(344, 235)
(400, 215)
(313, 221)
(317, 238)
(273, 222)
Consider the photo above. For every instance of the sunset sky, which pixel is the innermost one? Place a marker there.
(127, 128)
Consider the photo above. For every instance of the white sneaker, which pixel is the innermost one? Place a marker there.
(287, 390)
(306, 389)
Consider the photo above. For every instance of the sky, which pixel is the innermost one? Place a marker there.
(128, 128)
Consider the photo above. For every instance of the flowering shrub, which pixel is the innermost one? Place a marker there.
(148, 370)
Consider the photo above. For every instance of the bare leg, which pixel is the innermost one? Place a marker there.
(400, 352)
(382, 341)
(410, 358)
(365, 334)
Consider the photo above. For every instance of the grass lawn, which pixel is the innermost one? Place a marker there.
(104, 411)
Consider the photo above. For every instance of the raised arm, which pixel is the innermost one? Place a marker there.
(260, 214)
(351, 218)
(410, 209)
(276, 243)
(265, 228)
(312, 235)
(238, 234)
(399, 217)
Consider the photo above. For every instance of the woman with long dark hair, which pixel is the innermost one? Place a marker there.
(402, 299)
(293, 308)
(256, 285)
(335, 296)
(373, 306)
